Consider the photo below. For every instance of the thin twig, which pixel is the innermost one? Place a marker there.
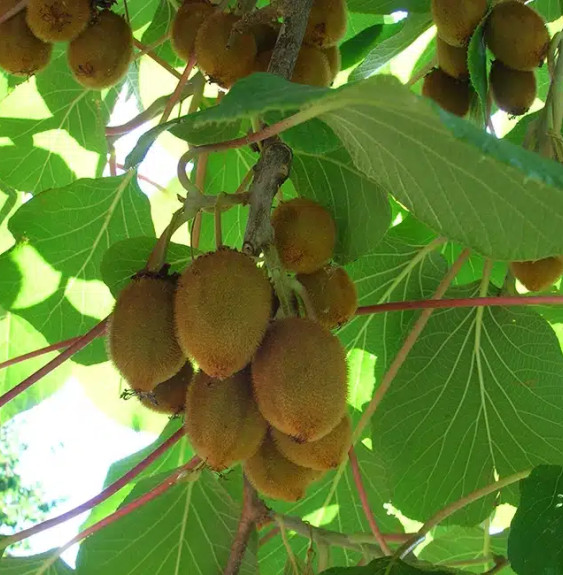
(177, 94)
(152, 46)
(500, 564)
(200, 173)
(365, 502)
(13, 11)
(157, 59)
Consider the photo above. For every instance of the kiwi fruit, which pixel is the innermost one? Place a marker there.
(187, 21)
(100, 56)
(514, 91)
(332, 294)
(305, 235)
(540, 274)
(224, 63)
(222, 420)
(456, 20)
(327, 23)
(300, 378)
(273, 475)
(452, 60)
(170, 395)
(223, 305)
(450, 94)
(21, 53)
(141, 339)
(334, 58)
(517, 35)
(326, 453)
(58, 20)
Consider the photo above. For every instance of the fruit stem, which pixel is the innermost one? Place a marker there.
(280, 279)
(81, 343)
(200, 173)
(177, 94)
(160, 61)
(301, 291)
(13, 11)
(365, 502)
(158, 255)
(456, 506)
(100, 498)
(152, 46)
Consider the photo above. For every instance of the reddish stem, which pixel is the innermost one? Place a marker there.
(157, 59)
(82, 342)
(144, 178)
(13, 11)
(461, 302)
(178, 90)
(365, 502)
(201, 171)
(100, 498)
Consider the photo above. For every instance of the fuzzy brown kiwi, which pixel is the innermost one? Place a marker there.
(273, 475)
(141, 339)
(334, 58)
(170, 395)
(540, 274)
(224, 63)
(332, 294)
(300, 378)
(452, 60)
(326, 453)
(222, 420)
(187, 21)
(21, 53)
(222, 308)
(305, 235)
(456, 20)
(513, 91)
(450, 94)
(100, 56)
(517, 35)
(327, 23)
(58, 20)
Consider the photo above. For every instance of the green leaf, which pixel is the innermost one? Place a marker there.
(391, 566)
(188, 529)
(477, 63)
(471, 404)
(32, 564)
(550, 9)
(358, 47)
(360, 208)
(388, 6)
(158, 27)
(534, 544)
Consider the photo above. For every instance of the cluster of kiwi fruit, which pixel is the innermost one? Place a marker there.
(515, 34)
(205, 33)
(100, 42)
(255, 385)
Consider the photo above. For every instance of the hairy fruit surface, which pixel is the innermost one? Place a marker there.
(540, 274)
(222, 309)
(170, 395)
(334, 58)
(305, 235)
(513, 91)
(327, 23)
(58, 20)
(452, 60)
(456, 20)
(300, 378)
(185, 26)
(452, 95)
(222, 420)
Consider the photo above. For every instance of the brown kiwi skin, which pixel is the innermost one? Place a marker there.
(100, 56)
(513, 91)
(300, 378)
(456, 20)
(327, 23)
(334, 58)
(452, 59)
(222, 309)
(329, 452)
(452, 95)
(169, 396)
(187, 21)
(305, 235)
(517, 35)
(274, 476)
(538, 275)
(58, 20)
(222, 63)
(21, 53)
(222, 420)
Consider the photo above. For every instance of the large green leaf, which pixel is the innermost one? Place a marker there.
(32, 564)
(549, 9)
(391, 566)
(387, 6)
(534, 544)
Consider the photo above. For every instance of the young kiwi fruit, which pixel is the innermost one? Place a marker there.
(21, 53)
(452, 60)
(305, 235)
(222, 419)
(187, 21)
(334, 58)
(517, 35)
(224, 63)
(275, 476)
(58, 20)
(222, 308)
(540, 274)
(513, 91)
(452, 95)
(326, 453)
(141, 339)
(100, 56)
(170, 395)
(456, 20)
(332, 294)
(327, 23)
(300, 378)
